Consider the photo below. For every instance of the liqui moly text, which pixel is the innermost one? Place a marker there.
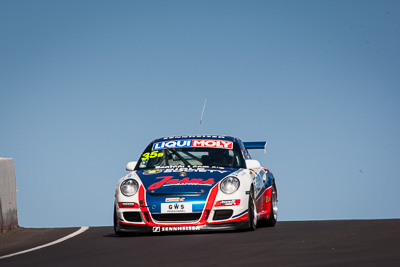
(193, 143)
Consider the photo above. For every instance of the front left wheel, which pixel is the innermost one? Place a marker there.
(273, 217)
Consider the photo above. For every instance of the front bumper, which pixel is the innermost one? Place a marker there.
(215, 215)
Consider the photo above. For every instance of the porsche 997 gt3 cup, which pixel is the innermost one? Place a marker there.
(195, 183)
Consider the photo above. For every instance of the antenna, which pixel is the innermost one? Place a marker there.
(202, 113)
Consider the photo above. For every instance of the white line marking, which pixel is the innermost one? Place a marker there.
(80, 231)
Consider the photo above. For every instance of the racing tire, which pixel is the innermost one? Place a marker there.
(116, 231)
(252, 212)
(271, 222)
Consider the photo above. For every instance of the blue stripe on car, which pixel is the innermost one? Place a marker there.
(240, 214)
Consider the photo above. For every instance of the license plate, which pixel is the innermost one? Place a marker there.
(176, 207)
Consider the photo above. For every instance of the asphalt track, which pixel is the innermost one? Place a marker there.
(305, 243)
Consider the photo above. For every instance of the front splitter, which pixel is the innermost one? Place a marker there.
(177, 228)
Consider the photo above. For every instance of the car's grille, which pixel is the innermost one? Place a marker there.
(176, 194)
(222, 214)
(161, 217)
(132, 216)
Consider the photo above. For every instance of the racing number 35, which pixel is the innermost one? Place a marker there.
(152, 155)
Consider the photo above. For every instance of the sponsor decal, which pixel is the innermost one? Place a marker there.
(231, 202)
(168, 169)
(192, 143)
(158, 229)
(194, 136)
(156, 171)
(180, 228)
(128, 205)
(213, 143)
(174, 199)
(152, 155)
(176, 207)
(168, 181)
(172, 144)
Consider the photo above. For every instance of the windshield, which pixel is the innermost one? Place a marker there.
(191, 156)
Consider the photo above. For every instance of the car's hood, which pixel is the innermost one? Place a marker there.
(182, 180)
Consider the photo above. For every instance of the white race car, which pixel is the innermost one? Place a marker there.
(195, 183)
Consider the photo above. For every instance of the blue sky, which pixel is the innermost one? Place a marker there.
(86, 85)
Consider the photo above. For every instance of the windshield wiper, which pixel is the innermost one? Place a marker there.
(180, 157)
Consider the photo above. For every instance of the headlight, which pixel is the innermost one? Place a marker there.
(230, 185)
(129, 187)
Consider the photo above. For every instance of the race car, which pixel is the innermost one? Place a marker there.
(195, 183)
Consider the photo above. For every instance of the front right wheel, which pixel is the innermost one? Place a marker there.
(252, 210)
(116, 231)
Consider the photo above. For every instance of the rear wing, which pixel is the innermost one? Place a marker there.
(256, 145)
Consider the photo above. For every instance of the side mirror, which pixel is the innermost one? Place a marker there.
(253, 164)
(131, 165)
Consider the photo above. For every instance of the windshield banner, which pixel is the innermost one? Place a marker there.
(193, 143)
